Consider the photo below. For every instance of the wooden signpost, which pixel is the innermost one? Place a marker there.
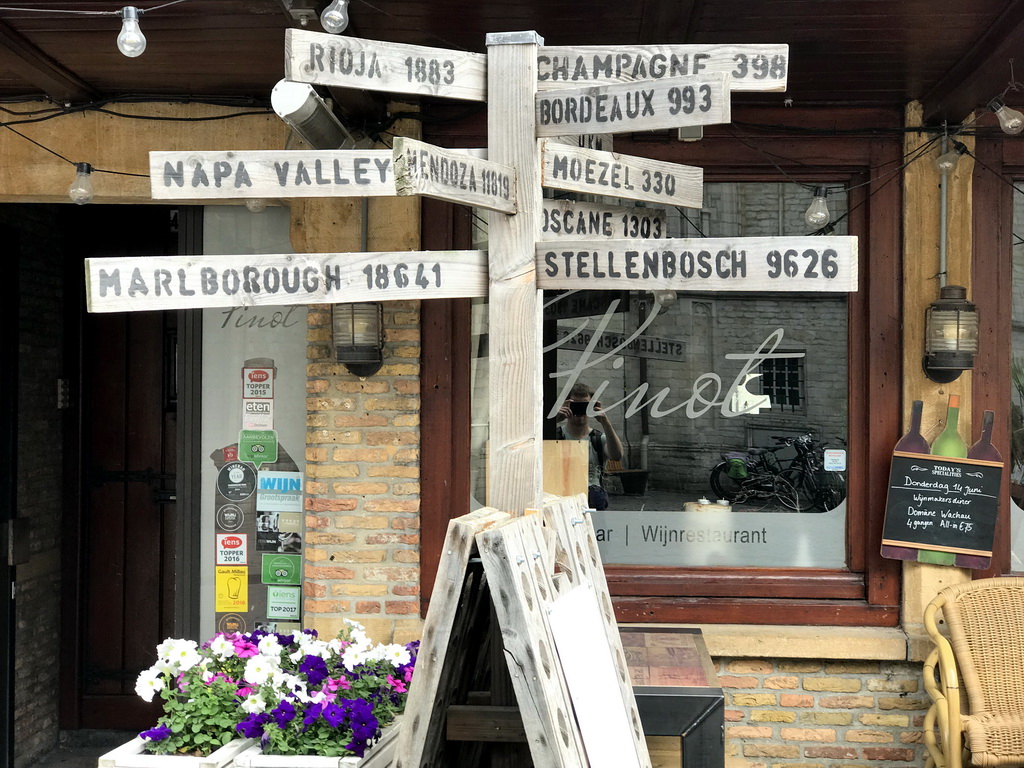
(571, 220)
(422, 169)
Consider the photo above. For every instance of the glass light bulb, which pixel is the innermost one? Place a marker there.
(946, 162)
(1010, 120)
(81, 191)
(256, 204)
(334, 19)
(817, 214)
(131, 42)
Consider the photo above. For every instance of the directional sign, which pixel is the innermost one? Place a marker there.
(620, 107)
(811, 264)
(568, 219)
(423, 169)
(634, 178)
(749, 67)
(322, 59)
(183, 282)
(271, 173)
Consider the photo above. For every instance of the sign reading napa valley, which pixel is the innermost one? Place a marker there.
(749, 67)
(816, 264)
(350, 62)
(423, 169)
(644, 106)
(271, 173)
(187, 282)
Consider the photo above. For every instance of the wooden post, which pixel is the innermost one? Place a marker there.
(514, 477)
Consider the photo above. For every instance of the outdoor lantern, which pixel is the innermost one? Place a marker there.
(359, 336)
(950, 335)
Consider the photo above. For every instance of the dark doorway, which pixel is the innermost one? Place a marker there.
(120, 519)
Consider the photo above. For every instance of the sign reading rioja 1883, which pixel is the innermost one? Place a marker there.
(749, 67)
(187, 282)
(606, 173)
(826, 264)
(942, 504)
(351, 62)
(423, 169)
(645, 106)
(271, 173)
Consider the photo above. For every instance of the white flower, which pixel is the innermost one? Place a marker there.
(183, 654)
(269, 646)
(353, 656)
(253, 703)
(221, 647)
(148, 684)
(258, 669)
(397, 654)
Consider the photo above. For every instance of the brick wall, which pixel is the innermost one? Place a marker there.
(362, 483)
(37, 610)
(822, 714)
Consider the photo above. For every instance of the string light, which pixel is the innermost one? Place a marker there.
(947, 161)
(1010, 120)
(81, 191)
(131, 42)
(818, 214)
(334, 18)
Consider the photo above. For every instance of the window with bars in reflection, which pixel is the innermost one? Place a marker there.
(782, 379)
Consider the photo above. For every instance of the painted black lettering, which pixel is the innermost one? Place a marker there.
(174, 173)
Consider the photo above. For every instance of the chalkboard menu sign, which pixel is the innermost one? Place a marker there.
(942, 504)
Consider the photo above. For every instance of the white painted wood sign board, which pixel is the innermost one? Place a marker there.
(128, 284)
(626, 107)
(271, 174)
(767, 264)
(574, 220)
(351, 62)
(423, 169)
(749, 67)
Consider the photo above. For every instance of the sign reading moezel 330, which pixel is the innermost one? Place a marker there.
(323, 59)
(817, 264)
(749, 67)
(271, 173)
(187, 282)
(643, 106)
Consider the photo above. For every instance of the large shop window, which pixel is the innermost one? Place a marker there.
(1016, 458)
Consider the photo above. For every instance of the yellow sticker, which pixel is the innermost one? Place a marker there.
(232, 589)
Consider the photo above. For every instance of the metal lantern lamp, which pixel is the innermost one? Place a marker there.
(358, 331)
(950, 335)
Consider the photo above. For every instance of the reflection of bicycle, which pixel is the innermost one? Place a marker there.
(754, 477)
(815, 487)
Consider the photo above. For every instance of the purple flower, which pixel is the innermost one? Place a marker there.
(284, 713)
(159, 733)
(312, 713)
(252, 726)
(315, 670)
(334, 715)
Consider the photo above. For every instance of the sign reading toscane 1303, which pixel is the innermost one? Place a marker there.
(825, 264)
(184, 282)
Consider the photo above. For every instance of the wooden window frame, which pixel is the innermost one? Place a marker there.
(867, 592)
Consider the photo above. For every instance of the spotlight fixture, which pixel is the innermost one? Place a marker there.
(1010, 120)
(358, 333)
(334, 19)
(81, 191)
(817, 214)
(309, 115)
(947, 161)
(131, 42)
(950, 335)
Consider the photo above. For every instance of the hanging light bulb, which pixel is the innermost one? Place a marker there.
(334, 19)
(1010, 120)
(946, 162)
(817, 214)
(81, 190)
(131, 42)
(256, 204)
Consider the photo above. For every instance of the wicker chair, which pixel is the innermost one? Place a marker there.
(985, 650)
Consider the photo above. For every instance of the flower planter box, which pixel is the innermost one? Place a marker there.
(380, 755)
(130, 755)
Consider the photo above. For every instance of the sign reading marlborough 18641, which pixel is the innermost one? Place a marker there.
(942, 504)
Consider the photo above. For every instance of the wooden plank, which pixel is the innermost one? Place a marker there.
(442, 643)
(423, 169)
(606, 173)
(816, 264)
(522, 588)
(350, 62)
(187, 282)
(271, 174)
(749, 67)
(676, 102)
(573, 220)
(476, 722)
(515, 305)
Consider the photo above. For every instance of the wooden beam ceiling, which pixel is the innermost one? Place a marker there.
(18, 55)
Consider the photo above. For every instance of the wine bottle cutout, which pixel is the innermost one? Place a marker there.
(983, 449)
(949, 443)
(913, 441)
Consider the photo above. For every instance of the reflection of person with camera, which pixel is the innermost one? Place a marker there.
(575, 425)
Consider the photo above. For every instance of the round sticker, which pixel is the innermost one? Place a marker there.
(236, 481)
(230, 517)
(230, 623)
